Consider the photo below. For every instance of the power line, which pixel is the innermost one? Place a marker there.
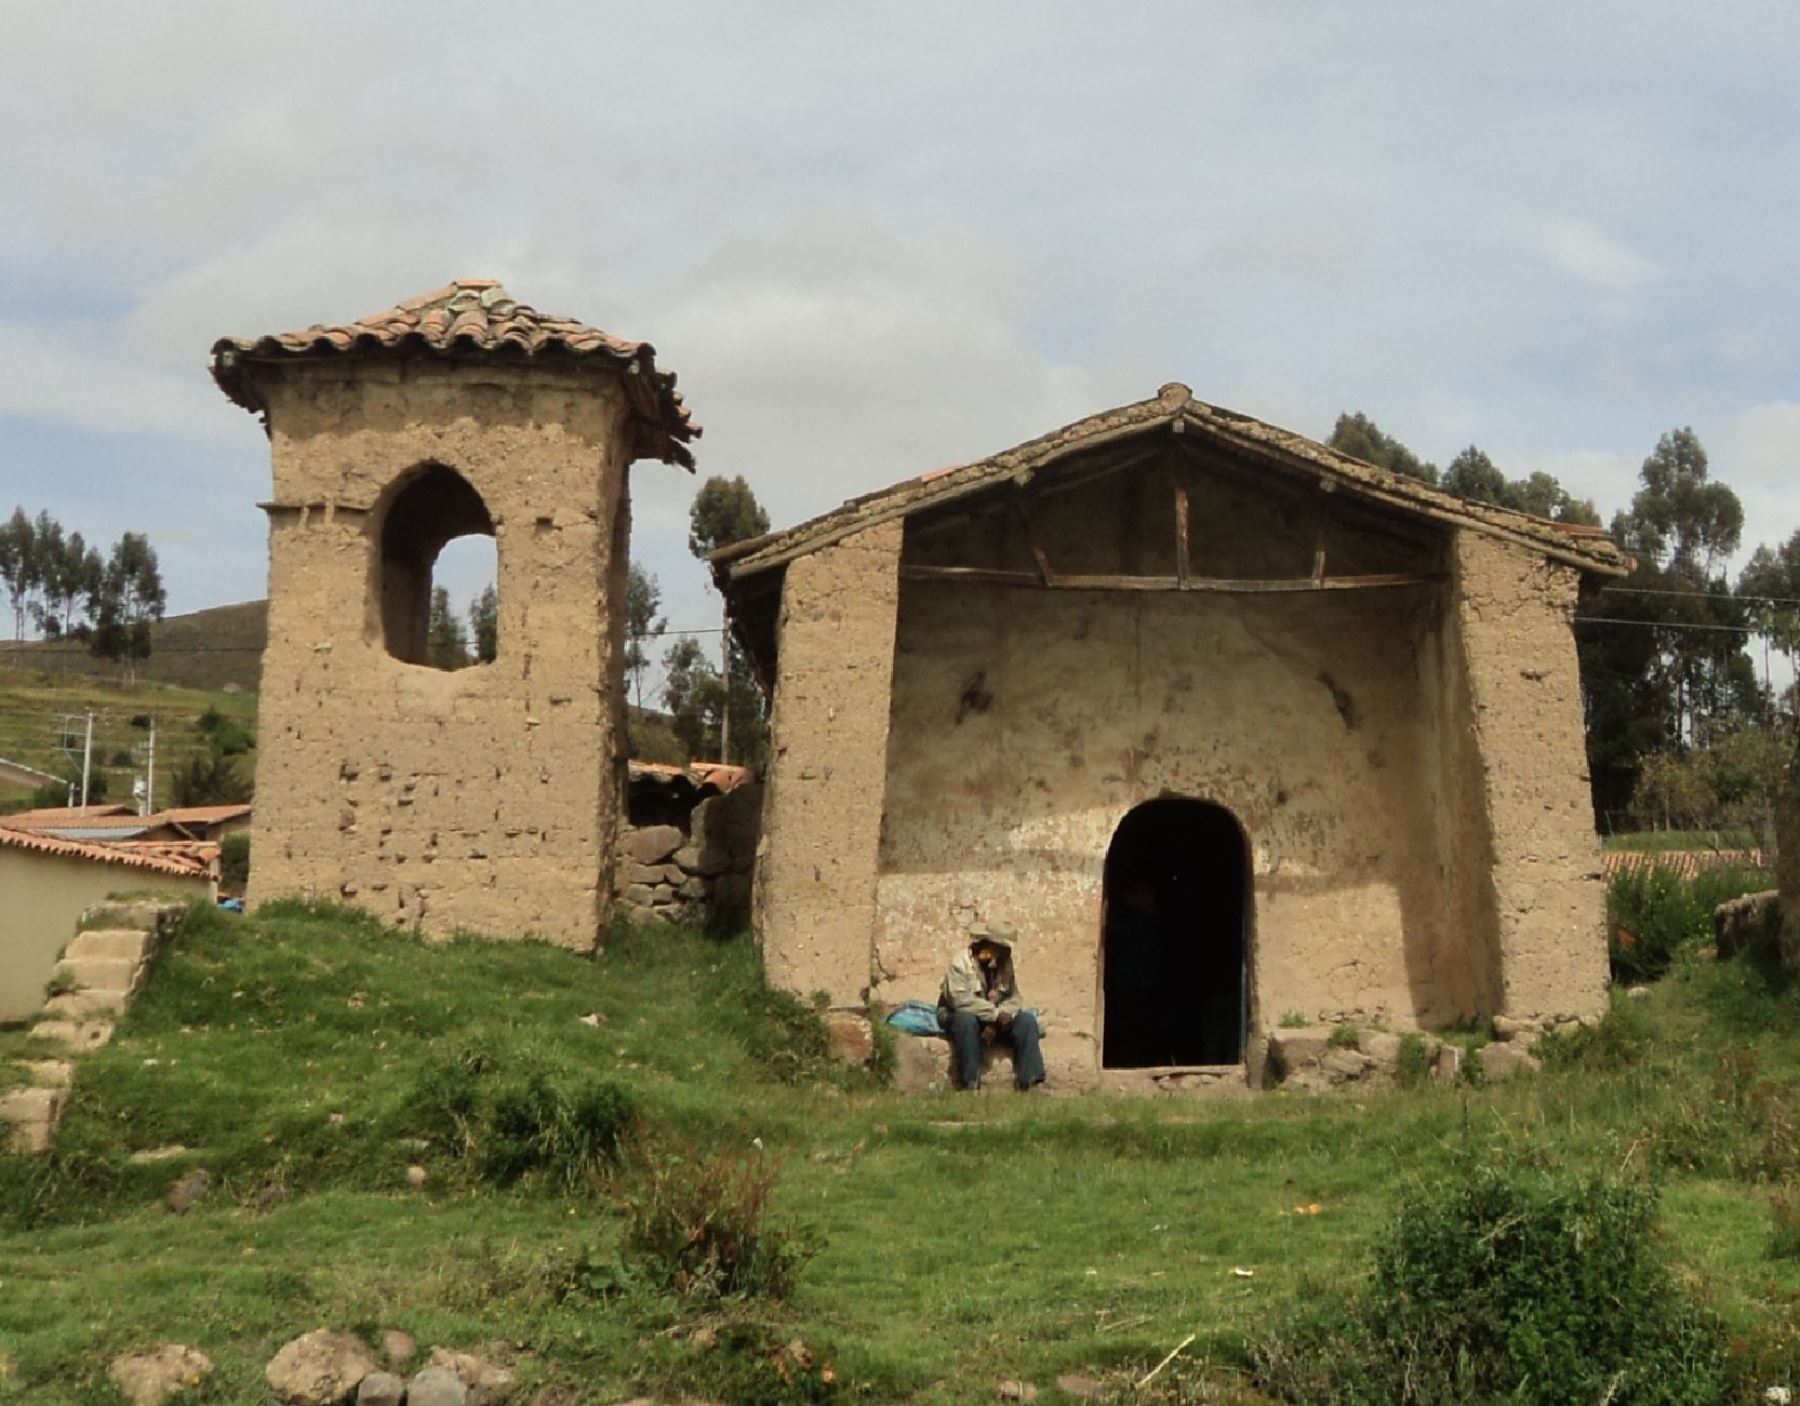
(1699, 595)
(1664, 625)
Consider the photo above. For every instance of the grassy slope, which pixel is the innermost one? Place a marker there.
(211, 649)
(31, 698)
(963, 1239)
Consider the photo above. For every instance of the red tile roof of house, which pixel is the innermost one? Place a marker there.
(129, 857)
(67, 815)
(201, 815)
(472, 319)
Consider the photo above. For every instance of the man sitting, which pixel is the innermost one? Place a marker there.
(979, 1004)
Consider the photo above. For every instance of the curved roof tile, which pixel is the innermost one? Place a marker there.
(474, 319)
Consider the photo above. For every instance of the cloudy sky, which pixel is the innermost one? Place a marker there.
(877, 238)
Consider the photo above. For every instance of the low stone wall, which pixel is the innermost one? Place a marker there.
(693, 872)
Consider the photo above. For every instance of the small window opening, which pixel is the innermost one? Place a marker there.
(1174, 975)
(439, 591)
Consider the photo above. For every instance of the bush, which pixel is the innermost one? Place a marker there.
(1412, 1065)
(699, 1227)
(1654, 914)
(1498, 1289)
(234, 861)
(570, 1135)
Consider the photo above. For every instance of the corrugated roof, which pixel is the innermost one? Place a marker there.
(471, 319)
(128, 857)
(1174, 408)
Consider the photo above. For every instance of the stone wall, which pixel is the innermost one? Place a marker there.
(814, 893)
(484, 799)
(694, 867)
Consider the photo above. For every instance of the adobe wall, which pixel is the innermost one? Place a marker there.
(483, 799)
(1514, 614)
(814, 893)
(1026, 723)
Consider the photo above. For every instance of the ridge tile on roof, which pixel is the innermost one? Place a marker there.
(471, 318)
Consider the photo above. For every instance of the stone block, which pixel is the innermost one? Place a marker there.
(49, 1073)
(381, 1389)
(654, 843)
(707, 862)
(1344, 1065)
(31, 1114)
(96, 974)
(1380, 1046)
(437, 1386)
(83, 1005)
(639, 895)
(694, 889)
(76, 1036)
(133, 943)
(320, 1368)
(1447, 1065)
(921, 1064)
(1292, 1050)
(151, 1378)
(1503, 1061)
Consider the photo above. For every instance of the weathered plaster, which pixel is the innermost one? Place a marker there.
(816, 869)
(484, 799)
(1514, 613)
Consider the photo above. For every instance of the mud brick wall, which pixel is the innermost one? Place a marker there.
(484, 799)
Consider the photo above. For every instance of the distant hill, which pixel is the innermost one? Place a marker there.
(213, 650)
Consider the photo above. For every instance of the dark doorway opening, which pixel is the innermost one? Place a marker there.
(1174, 976)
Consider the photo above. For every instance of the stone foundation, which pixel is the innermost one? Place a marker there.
(690, 857)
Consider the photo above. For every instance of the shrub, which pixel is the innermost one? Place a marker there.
(699, 1226)
(572, 1135)
(1497, 1288)
(1412, 1064)
(1343, 1037)
(234, 861)
(1654, 914)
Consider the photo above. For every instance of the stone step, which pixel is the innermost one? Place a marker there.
(76, 1036)
(49, 1073)
(79, 1005)
(97, 974)
(31, 1114)
(110, 942)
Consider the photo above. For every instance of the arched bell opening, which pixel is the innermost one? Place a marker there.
(438, 608)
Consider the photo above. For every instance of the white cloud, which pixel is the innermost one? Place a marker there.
(1757, 452)
(1586, 253)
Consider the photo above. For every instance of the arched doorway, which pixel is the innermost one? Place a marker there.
(1174, 971)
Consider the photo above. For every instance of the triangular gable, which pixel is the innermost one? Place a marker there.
(1174, 410)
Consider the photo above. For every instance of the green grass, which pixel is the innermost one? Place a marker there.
(1664, 841)
(958, 1240)
(32, 698)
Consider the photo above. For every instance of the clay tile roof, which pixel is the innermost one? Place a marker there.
(201, 815)
(1173, 407)
(151, 859)
(65, 815)
(471, 319)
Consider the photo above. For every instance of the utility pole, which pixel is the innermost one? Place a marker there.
(146, 796)
(65, 743)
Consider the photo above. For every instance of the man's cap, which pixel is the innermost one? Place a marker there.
(984, 932)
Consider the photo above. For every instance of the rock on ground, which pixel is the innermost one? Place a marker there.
(437, 1386)
(381, 1389)
(320, 1368)
(151, 1378)
(485, 1382)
